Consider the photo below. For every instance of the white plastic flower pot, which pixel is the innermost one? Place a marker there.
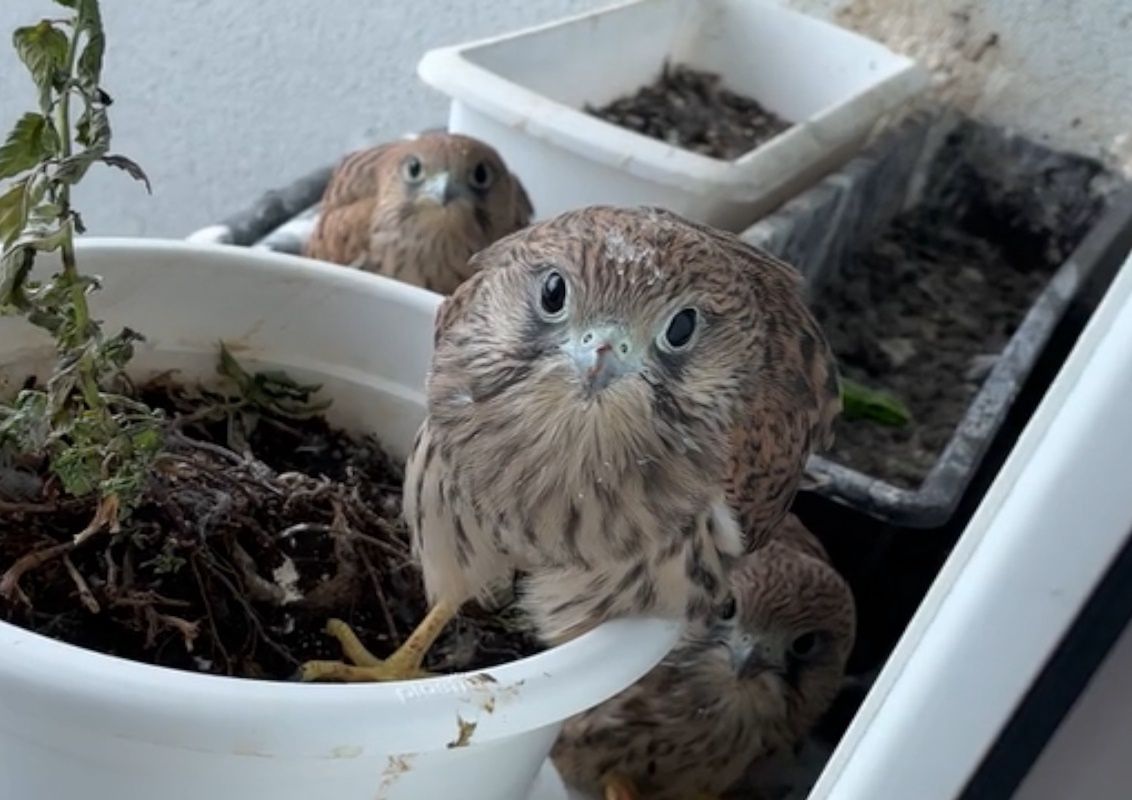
(79, 724)
(524, 94)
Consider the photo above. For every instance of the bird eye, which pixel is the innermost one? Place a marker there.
(805, 646)
(412, 170)
(481, 176)
(553, 297)
(680, 330)
(728, 609)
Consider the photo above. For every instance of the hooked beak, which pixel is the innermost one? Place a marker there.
(752, 657)
(440, 189)
(600, 357)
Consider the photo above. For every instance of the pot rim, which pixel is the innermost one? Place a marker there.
(165, 706)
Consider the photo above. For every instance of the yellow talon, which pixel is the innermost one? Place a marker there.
(619, 787)
(365, 667)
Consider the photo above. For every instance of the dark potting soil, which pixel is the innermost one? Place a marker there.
(923, 309)
(240, 550)
(692, 109)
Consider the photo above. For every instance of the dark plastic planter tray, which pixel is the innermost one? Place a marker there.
(822, 228)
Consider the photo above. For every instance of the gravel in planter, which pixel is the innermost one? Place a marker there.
(939, 262)
(692, 109)
(252, 531)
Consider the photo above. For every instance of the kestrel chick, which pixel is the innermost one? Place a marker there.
(743, 688)
(614, 395)
(418, 209)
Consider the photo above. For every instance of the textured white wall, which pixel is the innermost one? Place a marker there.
(220, 100)
(1060, 70)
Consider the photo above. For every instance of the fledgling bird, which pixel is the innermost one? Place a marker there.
(792, 532)
(418, 209)
(614, 395)
(737, 693)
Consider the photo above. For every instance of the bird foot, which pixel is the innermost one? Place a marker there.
(618, 787)
(403, 665)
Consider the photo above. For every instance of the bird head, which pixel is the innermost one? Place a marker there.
(783, 638)
(626, 334)
(453, 180)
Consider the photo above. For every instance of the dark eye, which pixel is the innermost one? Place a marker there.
(728, 609)
(805, 646)
(680, 329)
(553, 296)
(412, 169)
(481, 176)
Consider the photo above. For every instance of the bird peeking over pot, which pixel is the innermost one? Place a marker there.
(734, 698)
(620, 404)
(418, 209)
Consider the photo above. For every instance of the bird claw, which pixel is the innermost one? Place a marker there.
(365, 666)
(618, 787)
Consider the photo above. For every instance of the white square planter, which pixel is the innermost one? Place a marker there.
(524, 93)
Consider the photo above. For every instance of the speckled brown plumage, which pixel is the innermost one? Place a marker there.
(418, 209)
(615, 394)
(733, 698)
(622, 491)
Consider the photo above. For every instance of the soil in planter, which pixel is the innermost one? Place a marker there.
(692, 109)
(924, 308)
(240, 550)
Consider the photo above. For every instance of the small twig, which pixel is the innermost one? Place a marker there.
(210, 616)
(252, 617)
(111, 573)
(10, 507)
(189, 630)
(216, 449)
(401, 554)
(10, 580)
(305, 527)
(322, 489)
(149, 598)
(85, 594)
(219, 411)
(256, 586)
(105, 518)
(379, 593)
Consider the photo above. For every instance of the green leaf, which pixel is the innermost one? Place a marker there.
(45, 319)
(147, 440)
(861, 402)
(89, 22)
(273, 392)
(43, 49)
(40, 234)
(61, 386)
(14, 270)
(131, 168)
(13, 212)
(116, 352)
(93, 129)
(79, 469)
(71, 170)
(230, 368)
(31, 140)
(25, 421)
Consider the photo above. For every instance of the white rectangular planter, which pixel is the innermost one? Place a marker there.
(524, 93)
